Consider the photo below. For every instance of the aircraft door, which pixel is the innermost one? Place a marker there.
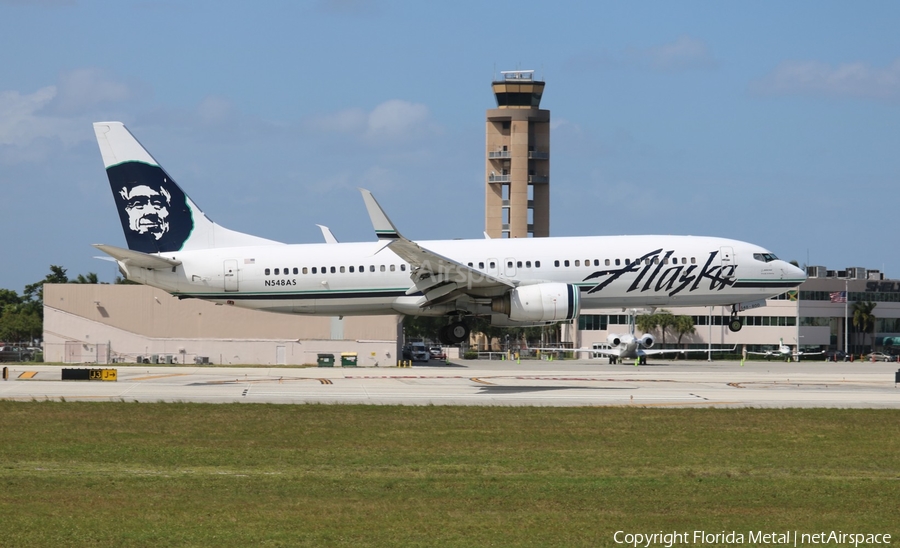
(231, 275)
(726, 256)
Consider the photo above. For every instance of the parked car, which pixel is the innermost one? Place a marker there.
(437, 353)
(15, 354)
(879, 357)
(836, 356)
(419, 352)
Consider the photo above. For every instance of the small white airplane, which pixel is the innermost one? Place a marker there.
(633, 347)
(173, 245)
(784, 351)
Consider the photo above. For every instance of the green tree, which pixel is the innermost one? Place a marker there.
(864, 320)
(684, 325)
(665, 320)
(91, 278)
(19, 324)
(646, 323)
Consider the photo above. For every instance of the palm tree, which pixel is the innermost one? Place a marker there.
(684, 325)
(646, 322)
(665, 320)
(864, 319)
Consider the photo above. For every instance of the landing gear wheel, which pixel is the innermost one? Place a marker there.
(458, 332)
(735, 324)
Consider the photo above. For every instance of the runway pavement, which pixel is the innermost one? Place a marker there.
(478, 382)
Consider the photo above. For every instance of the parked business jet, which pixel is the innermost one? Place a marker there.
(174, 246)
(784, 352)
(630, 346)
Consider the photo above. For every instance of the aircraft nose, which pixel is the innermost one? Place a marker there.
(791, 271)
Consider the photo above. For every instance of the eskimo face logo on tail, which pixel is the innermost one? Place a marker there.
(154, 211)
(147, 209)
(656, 273)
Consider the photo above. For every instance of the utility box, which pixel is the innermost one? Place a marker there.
(348, 359)
(325, 360)
(897, 377)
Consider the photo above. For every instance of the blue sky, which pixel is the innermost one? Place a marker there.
(770, 122)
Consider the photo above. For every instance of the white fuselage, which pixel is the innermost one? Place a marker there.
(368, 278)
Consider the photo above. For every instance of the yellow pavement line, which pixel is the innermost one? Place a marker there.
(325, 381)
(476, 379)
(28, 375)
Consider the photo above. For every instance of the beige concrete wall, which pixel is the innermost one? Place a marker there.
(84, 321)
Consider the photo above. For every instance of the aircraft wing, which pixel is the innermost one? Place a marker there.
(136, 258)
(441, 279)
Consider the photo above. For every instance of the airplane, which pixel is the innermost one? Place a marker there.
(784, 351)
(633, 347)
(174, 246)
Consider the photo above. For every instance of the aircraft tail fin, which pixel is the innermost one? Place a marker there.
(156, 215)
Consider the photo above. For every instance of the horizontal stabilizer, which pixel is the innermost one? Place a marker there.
(136, 258)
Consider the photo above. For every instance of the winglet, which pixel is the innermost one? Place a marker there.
(326, 233)
(384, 228)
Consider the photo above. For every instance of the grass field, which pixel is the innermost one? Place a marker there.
(130, 474)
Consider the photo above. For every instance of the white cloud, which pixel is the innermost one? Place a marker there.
(858, 80)
(19, 120)
(393, 120)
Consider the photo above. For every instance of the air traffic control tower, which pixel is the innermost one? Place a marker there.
(517, 167)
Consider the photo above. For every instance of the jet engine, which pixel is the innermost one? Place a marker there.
(548, 302)
(646, 340)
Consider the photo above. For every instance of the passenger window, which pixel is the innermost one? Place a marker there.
(382, 268)
(313, 270)
(606, 262)
(342, 269)
(596, 262)
(527, 264)
(577, 262)
(362, 268)
(403, 267)
(276, 271)
(556, 263)
(470, 265)
(287, 271)
(267, 272)
(537, 264)
(392, 268)
(509, 264)
(332, 270)
(351, 269)
(566, 262)
(305, 270)
(481, 266)
(371, 268)
(296, 271)
(493, 264)
(693, 260)
(618, 262)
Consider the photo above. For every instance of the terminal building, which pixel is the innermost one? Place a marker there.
(817, 317)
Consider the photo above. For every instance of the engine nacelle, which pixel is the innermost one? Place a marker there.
(549, 302)
(647, 340)
(613, 339)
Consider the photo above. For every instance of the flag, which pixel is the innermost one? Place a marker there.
(839, 297)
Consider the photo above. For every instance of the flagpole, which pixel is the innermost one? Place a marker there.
(846, 321)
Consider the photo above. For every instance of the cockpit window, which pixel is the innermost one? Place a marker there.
(765, 257)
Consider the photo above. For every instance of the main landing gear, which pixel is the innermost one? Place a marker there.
(454, 333)
(735, 323)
